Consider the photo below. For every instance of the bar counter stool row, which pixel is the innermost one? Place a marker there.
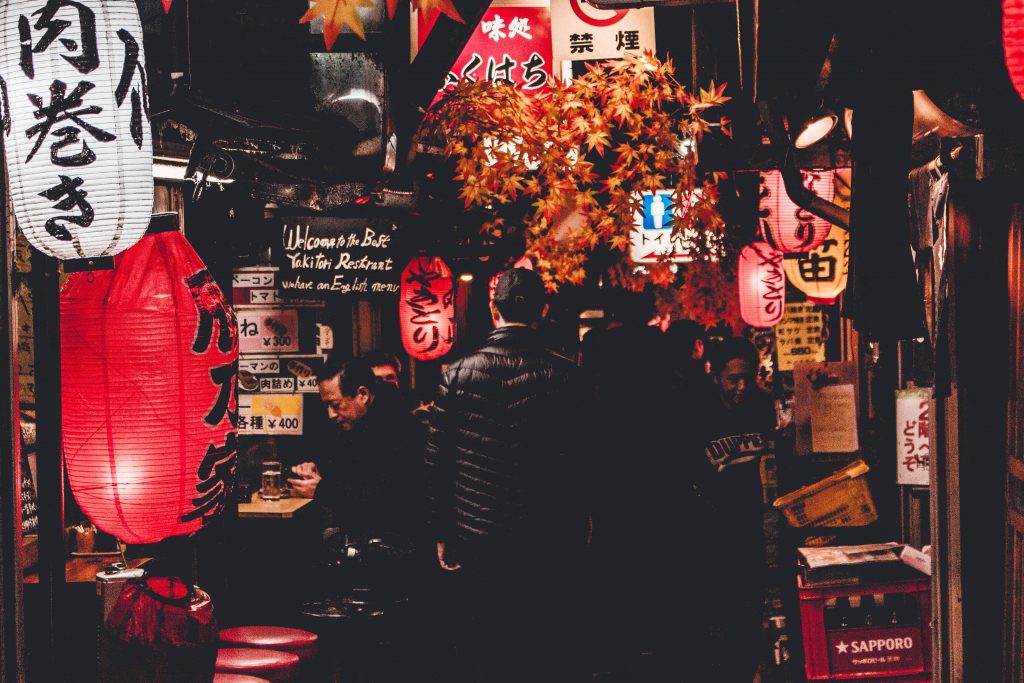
(271, 654)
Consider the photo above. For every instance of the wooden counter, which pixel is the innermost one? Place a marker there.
(285, 508)
(84, 569)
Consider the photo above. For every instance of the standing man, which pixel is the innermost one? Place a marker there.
(369, 480)
(505, 481)
(734, 429)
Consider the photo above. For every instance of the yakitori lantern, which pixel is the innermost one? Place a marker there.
(784, 225)
(426, 308)
(762, 284)
(75, 122)
(149, 361)
(821, 274)
(1013, 42)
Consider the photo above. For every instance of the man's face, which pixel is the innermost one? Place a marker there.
(386, 373)
(344, 411)
(735, 381)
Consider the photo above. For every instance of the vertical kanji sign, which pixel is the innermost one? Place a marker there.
(510, 44)
(75, 120)
(913, 447)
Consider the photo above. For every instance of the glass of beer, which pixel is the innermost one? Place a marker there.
(271, 486)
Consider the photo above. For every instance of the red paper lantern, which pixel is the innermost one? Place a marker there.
(149, 353)
(1013, 42)
(784, 225)
(762, 284)
(426, 309)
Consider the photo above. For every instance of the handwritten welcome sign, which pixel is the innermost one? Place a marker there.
(322, 256)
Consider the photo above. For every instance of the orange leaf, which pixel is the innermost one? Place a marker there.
(444, 6)
(336, 14)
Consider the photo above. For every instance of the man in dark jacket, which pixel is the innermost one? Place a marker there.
(505, 491)
(368, 485)
(734, 431)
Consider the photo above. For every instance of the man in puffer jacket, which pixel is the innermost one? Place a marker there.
(505, 485)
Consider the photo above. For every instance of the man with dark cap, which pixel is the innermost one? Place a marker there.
(733, 431)
(505, 486)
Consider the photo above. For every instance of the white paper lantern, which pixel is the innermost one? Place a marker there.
(76, 124)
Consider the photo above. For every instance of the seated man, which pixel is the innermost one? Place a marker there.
(368, 483)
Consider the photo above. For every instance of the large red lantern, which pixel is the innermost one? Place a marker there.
(426, 309)
(1013, 42)
(762, 284)
(784, 225)
(149, 362)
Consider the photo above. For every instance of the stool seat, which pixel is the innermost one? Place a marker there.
(237, 678)
(294, 640)
(273, 665)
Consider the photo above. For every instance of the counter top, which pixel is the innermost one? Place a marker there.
(285, 508)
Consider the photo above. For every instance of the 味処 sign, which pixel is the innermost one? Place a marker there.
(511, 45)
(318, 256)
(75, 121)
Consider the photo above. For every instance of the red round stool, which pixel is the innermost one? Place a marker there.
(296, 641)
(273, 665)
(237, 678)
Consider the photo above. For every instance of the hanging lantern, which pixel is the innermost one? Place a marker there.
(762, 285)
(75, 122)
(1013, 42)
(426, 309)
(150, 353)
(821, 274)
(784, 225)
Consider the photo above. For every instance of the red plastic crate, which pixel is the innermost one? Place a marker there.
(897, 653)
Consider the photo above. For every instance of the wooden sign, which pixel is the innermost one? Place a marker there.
(321, 256)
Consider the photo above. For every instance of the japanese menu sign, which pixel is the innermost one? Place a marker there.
(268, 330)
(321, 256)
(913, 418)
(279, 374)
(270, 414)
(582, 31)
(798, 336)
(510, 44)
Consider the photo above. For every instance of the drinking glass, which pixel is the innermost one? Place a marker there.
(271, 487)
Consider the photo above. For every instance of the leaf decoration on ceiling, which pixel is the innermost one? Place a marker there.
(336, 14)
(444, 6)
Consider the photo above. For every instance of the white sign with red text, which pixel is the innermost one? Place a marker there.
(913, 448)
(582, 31)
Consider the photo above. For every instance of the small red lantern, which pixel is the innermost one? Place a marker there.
(786, 226)
(1013, 42)
(762, 284)
(150, 353)
(426, 309)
